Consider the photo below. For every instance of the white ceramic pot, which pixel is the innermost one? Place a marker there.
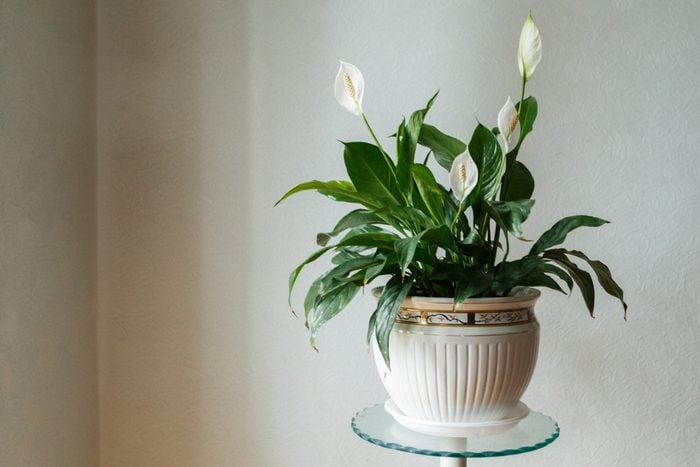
(465, 365)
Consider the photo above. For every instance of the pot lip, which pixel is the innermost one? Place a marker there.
(523, 297)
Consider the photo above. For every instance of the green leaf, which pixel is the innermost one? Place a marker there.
(369, 172)
(406, 142)
(510, 215)
(352, 219)
(393, 295)
(404, 159)
(604, 276)
(527, 119)
(444, 147)
(295, 273)
(311, 294)
(410, 218)
(337, 190)
(557, 234)
(440, 236)
(371, 272)
(473, 282)
(540, 279)
(370, 327)
(518, 183)
(527, 116)
(383, 240)
(429, 191)
(406, 249)
(329, 305)
(512, 273)
(451, 210)
(487, 155)
(560, 273)
(581, 278)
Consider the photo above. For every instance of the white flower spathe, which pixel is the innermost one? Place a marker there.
(463, 175)
(530, 48)
(509, 126)
(349, 87)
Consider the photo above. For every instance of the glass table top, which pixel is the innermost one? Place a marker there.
(375, 425)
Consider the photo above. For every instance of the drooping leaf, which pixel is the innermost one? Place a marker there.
(311, 294)
(581, 278)
(518, 182)
(560, 273)
(558, 232)
(444, 147)
(295, 273)
(604, 276)
(538, 278)
(369, 172)
(335, 278)
(337, 190)
(329, 305)
(490, 161)
(393, 294)
(510, 215)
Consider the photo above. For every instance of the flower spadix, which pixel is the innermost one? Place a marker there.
(530, 48)
(349, 87)
(463, 175)
(509, 125)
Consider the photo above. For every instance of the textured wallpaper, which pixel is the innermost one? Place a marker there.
(209, 110)
(48, 371)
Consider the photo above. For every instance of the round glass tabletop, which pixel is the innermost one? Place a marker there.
(375, 425)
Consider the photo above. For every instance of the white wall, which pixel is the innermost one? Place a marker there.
(210, 110)
(48, 371)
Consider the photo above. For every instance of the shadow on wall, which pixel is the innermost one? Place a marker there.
(172, 232)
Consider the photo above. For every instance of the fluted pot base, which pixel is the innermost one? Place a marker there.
(461, 367)
(458, 430)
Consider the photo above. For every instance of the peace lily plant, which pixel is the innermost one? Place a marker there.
(436, 240)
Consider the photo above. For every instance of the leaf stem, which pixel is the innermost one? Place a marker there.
(458, 213)
(387, 159)
(496, 238)
(505, 254)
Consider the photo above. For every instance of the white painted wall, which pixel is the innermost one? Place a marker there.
(209, 110)
(48, 309)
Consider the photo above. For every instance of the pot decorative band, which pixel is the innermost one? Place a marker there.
(428, 318)
(517, 308)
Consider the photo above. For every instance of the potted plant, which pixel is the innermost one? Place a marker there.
(454, 330)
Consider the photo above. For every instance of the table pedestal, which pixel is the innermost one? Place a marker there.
(453, 462)
(376, 426)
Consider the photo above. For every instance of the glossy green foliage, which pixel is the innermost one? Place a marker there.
(408, 227)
